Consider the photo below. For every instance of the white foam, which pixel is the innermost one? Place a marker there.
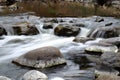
(57, 78)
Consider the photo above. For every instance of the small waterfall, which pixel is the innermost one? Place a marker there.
(84, 32)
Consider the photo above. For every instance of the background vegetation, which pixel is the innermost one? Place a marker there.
(62, 9)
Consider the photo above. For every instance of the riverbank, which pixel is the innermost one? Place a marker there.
(62, 9)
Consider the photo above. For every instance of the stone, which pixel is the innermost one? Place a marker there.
(25, 28)
(79, 25)
(114, 41)
(82, 39)
(108, 24)
(2, 31)
(104, 32)
(68, 31)
(4, 78)
(101, 47)
(106, 76)
(99, 19)
(47, 26)
(34, 75)
(110, 58)
(41, 58)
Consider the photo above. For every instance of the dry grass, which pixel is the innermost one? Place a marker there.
(73, 9)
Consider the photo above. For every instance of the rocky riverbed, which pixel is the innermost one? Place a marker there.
(89, 47)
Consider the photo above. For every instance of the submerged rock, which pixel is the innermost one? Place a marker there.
(4, 78)
(25, 29)
(114, 41)
(66, 30)
(111, 59)
(34, 75)
(101, 47)
(104, 32)
(41, 58)
(82, 39)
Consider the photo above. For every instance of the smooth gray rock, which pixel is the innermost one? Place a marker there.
(34, 75)
(4, 78)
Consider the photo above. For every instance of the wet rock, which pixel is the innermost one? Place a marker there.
(99, 19)
(96, 48)
(53, 20)
(34, 75)
(80, 75)
(66, 30)
(110, 58)
(41, 58)
(108, 24)
(47, 26)
(4, 78)
(79, 25)
(107, 76)
(25, 29)
(114, 41)
(2, 31)
(82, 39)
(104, 32)
(84, 61)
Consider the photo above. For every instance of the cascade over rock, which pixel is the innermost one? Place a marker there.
(104, 32)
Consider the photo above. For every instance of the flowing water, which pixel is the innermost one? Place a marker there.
(12, 46)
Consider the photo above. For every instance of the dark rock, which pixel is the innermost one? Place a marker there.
(2, 31)
(108, 24)
(79, 25)
(41, 58)
(70, 21)
(25, 29)
(48, 26)
(99, 19)
(104, 32)
(66, 31)
(82, 39)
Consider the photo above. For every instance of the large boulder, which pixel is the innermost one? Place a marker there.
(61, 30)
(4, 78)
(104, 32)
(100, 48)
(34, 75)
(41, 58)
(2, 31)
(25, 29)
